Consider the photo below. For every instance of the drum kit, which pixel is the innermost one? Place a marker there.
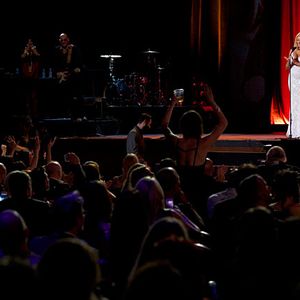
(136, 88)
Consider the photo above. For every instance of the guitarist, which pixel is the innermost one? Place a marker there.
(67, 65)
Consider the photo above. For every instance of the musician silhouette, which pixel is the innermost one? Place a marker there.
(30, 69)
(30, 60)
(68, 67)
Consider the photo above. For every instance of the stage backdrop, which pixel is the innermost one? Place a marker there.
(236, 46)
(290, 26)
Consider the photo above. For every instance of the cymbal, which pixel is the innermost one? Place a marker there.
(110, 56)
(150, 52)
(159, 68)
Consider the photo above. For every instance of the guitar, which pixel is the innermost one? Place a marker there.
(67, 73)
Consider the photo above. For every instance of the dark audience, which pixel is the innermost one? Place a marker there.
(36, 212)
(142, 235)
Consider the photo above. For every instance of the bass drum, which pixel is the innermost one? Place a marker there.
(117, 92)
(130, 90)
(111, 94)
(137, 87)
(124, 89)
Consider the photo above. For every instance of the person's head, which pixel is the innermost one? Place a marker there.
(92, 170)
(18, 184)
(145, 121)
(13, 233)
(129, 160)
(20, 164)
(3, 173)
(236, 175)
(64, 40)
(54, 169)
(97, 201)
(156, 280)
(29, 43)
(254, 191)
(127, 182)
(69, 269)
(167, 162)
(138, 173)
(39, 181)
(286, 187)
(152, 195)
(256, 234)
(164, 228)
(192, 260)
(297, 40)
(18, 279)
(275, 154)
(69, 212)
(169, 180)
(191, 124)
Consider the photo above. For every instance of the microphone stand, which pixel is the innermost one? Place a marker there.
(291, 114)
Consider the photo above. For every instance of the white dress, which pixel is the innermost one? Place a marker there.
(294, 86)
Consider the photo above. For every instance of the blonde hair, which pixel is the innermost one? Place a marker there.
(295, 41)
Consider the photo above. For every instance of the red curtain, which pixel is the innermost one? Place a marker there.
(290, 26)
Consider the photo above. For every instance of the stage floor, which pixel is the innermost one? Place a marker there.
(231, 149)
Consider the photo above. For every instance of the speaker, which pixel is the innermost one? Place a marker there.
(63, 127)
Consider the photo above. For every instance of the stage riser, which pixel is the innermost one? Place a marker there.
(66, 127)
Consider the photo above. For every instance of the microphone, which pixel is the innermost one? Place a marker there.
(291, 56)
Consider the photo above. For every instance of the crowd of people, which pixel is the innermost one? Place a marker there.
(171, 232)
(176, 231)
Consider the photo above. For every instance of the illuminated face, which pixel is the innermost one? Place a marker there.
(64, 40)
(298, 42)
(29, 43)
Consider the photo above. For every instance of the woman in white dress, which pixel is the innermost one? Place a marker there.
(293, 64)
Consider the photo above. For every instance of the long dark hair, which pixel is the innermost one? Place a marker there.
(191, 124)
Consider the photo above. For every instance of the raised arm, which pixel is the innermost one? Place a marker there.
(166, 120)
(35, 153)
(289, 60)
(221, 118)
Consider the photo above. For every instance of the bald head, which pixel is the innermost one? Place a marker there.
(3, 173)
(276, 154)
(169, 180)
(64, 39)
(54, 169)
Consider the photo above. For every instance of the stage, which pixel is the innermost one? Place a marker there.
(102, 135)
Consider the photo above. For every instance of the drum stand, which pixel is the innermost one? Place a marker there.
(111, 78)
(160, 93)
(291, 113)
